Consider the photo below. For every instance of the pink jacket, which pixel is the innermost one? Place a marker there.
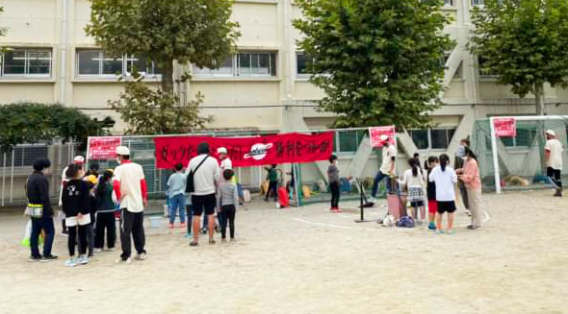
(471, 175)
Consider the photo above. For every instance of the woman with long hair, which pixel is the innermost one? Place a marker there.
(445, 178)
(469, 175)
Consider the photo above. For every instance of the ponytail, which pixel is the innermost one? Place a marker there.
(413, 163)
(444, 161)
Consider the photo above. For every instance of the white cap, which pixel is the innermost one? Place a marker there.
(384, 137)
(79, 159)
(551, 133)
(122, 151)
(221, 150)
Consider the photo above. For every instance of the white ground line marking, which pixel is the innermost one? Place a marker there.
(323, 225)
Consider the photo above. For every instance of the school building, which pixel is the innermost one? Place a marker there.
(263, 87)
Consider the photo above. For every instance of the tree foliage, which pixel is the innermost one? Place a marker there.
(195, 31)
(525, 43)
(35, 122)
(381, 58)
(148, 111)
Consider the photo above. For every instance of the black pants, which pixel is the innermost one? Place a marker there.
(71, 240)
(131, 224)
(38, 224)
(272, 188)
(334, 187)
(105, 221)
(228, 213)
(459, 163)
(555, 177)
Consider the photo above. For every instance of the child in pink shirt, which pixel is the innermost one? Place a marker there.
(470, 176)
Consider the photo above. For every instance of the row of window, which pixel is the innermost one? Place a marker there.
(475, 3)
(95, 63)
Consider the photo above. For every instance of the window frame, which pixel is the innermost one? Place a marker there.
(236, 66)
(26, 73)
(449, 3)
(429, 138)
(478, 3)
(125, 59)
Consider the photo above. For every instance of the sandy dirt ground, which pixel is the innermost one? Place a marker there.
(307, 260)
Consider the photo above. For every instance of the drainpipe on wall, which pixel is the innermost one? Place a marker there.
(63, 50)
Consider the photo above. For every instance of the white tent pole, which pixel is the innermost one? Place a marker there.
(495, 156)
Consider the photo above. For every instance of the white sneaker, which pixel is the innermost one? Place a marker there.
(372, 200)
(140, 257)
(72, 262)
(83, 260)
(126, 262)
(111, 250)
(98, 250)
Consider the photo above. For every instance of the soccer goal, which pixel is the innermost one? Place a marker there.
(515, 160)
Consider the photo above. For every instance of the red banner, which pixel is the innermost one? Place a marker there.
(247, 151)
(505, 127)
(377, 132)
(103, 148)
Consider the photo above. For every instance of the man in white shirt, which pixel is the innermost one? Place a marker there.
(226, 163)
(132, 192)
(553, 156)
(387, 167)
(206, 172)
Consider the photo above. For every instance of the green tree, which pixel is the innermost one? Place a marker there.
(35, 122)
(381, 58)
(149, 111)
(186, 31)
(525, 43)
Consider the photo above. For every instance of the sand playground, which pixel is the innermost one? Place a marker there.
(307, 260)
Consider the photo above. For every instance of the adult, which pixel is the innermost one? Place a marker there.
(206, 172)
(387, 166)
(131, 190)
(226, 163)
(37, 190)
(553, 156)
(459, 164)
(80, 162)
(469, 175)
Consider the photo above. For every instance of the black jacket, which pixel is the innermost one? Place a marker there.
(75, 198)
(38, 192)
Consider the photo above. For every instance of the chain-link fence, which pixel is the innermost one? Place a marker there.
(521, 159)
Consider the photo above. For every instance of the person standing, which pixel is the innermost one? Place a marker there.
(470, 176)
(77, 212)
(176, 193)
(413, 180)
(553, 156)
(132, 192)
(37, 190)
(272, 178)
(459, 164)
(431, 191)
(445, 178)
(387, 167)
(105, 213)
(226, 163)
(80, 162)
(227, 202)
(205, 172)
(333, 178)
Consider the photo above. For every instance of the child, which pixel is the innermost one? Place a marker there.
(333, 177)
(445, 178)
(176, 193)
(92, 182)
(272, 177)
(75, 201)
(227, 201)
(431, 191)
(413, 179)
(105, 213)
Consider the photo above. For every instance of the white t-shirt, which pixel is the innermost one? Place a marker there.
(445, 182)
(226, 164)
(388, 154)
(130, 176)
(411, 181)
(205, 177)
(555, 148)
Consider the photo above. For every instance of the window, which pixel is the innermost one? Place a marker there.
(484, 69)
(449, 3)
(432, 139)
(348, 141)
(246, 64)
(94, 62)
(303, 63)
(477, 3)
(24, 62)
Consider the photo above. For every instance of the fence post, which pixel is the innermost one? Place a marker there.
(12, 178)
(495, 156)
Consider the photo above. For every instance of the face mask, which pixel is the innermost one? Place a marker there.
(118, 160)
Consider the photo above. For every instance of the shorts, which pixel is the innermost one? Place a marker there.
(416, 204)
(201, 203)
(446, 207)
(432, 207)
